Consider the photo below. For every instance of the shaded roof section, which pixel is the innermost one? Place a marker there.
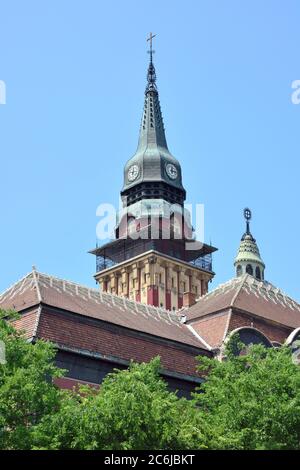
(37, 288)
(113, 343)
(212, 328)
(248, 294)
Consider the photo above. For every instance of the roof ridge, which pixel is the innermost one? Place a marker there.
(50, 276)
(36, 280)
(270, 287)
(15, 284)
(112, 296)
(236, 294)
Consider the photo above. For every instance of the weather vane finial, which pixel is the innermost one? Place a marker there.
(151, 51)
(248, 216)
(151, 76)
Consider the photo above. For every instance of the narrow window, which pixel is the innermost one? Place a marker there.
(249, 269)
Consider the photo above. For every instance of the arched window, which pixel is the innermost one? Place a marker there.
(239, 270)
(248, 336)
(249, 269)
(257, 273)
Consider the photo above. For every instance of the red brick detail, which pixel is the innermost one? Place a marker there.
(152, 296)
(212, 329)
(27, 322)
(271, 331)
(189, 299)
(168, 299)
(138, 293)
(72, 384)
(111, 340)
(180, 301)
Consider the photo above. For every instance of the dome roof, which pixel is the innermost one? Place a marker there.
(248, 259)
(248, 251)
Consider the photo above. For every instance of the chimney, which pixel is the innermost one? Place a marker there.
(189, 299)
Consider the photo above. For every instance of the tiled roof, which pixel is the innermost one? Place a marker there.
(246, 293)
(37, 288)
(113, 342)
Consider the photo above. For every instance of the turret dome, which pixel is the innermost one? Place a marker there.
(248, 259)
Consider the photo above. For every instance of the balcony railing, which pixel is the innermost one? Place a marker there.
(202, 262)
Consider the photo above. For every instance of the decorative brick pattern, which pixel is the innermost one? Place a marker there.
(271, 331)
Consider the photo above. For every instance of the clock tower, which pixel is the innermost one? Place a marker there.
(154, 258)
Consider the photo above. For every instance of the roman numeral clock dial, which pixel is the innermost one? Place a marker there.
(133, 173)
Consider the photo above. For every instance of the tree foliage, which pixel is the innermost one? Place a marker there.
(252, 400)
(27, 393)
(132, 410)
(248, 401)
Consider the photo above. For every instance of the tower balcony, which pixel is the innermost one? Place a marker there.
(124, 249)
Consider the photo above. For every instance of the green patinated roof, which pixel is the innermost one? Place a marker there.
(152, 155)
(248, 251)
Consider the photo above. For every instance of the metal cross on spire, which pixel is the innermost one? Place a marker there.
(151, 76)
(150, 38)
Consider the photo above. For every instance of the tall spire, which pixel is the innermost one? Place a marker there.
(248, 259)
(152, 131)
(152, 164)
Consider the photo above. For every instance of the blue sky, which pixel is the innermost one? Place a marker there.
(75, 77)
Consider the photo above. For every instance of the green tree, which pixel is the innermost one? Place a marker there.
(132, 410)
(27, 393)
(248, 401)
(252, 400)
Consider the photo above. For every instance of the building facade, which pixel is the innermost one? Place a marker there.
(152, 297)
(149, 260)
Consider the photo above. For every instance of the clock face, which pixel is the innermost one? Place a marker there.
(133, 172)
(171, 171)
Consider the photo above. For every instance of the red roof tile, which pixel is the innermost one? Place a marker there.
(245, 293)
(36, 288)
(112, 341)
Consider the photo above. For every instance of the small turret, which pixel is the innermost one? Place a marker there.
(248, 259)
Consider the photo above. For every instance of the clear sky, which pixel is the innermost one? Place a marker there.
(75, 74)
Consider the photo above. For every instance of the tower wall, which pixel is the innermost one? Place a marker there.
(155, 280)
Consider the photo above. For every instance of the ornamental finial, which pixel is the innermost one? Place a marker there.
(151, 76)
(248, 217)
(151, 51)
